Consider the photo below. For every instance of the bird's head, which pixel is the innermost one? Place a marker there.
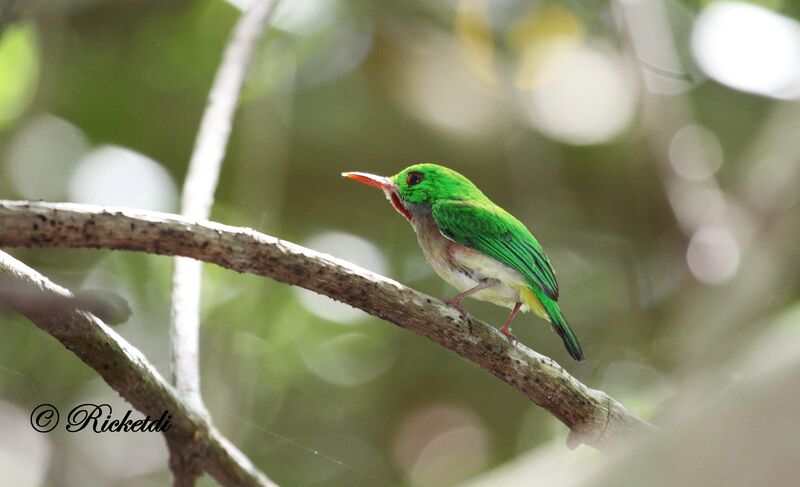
(420, 184)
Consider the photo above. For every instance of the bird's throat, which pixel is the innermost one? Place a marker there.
(398, 205)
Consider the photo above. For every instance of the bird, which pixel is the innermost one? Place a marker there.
(472, 243)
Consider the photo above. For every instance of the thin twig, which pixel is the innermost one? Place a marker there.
(190, 437)
(593, 417)
(198, 192)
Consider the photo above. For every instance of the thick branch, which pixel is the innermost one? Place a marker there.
(594, 417)
(198, 192)
(191, 439)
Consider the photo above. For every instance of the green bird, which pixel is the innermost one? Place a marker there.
(475, 245)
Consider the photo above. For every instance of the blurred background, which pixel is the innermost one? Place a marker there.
(653, 146)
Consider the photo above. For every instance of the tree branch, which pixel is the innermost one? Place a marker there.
(198, 192)
(593, 417)
(191, 439)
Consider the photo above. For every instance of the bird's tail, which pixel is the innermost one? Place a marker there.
(560, 325)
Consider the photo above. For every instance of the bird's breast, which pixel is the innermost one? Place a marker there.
(464, 267)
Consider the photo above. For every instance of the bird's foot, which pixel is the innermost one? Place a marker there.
(456, 303)
(507, 332)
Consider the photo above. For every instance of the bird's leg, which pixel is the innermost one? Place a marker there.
(456, 300)
(506, 328)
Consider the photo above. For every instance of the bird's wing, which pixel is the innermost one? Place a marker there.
(493, 231)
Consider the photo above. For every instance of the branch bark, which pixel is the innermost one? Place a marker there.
(191, 439)
(593, 417)
(198, 192)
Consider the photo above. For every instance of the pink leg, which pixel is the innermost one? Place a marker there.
(456, 300)
(506, 328)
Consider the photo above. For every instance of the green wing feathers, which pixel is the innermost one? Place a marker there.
(493, 231)
(489, 229)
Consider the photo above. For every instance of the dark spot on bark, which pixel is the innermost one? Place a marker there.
(41, 217)
(35, 226)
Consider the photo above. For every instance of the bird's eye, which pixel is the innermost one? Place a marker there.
(413, 178)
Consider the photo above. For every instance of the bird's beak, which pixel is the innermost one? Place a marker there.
(388, 187)
(379, 182)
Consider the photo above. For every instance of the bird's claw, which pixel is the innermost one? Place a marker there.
(511, 338)
(457, 305)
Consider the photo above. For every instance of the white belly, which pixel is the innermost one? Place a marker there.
(464, 268)
(504, 293)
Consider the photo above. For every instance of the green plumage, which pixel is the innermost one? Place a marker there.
(478, 247)
(561, 327)
(487, 228)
